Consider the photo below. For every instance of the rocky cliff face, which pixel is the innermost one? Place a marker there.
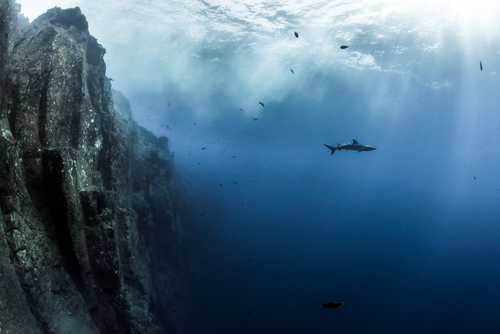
(89, 227)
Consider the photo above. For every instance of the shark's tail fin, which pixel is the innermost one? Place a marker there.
(331, 148)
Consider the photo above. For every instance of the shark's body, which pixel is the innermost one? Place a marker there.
(355, 146)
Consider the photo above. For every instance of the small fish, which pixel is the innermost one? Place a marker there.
(202, 215)
(255, 119)
(168, 104)
(344, 47)
(292, 71)
(174, 310)
(203, 148)
(241, 109)
(296, 34)
(242, 203)
(333, 305)
(474, 177)
(262, 104)
(481, 65)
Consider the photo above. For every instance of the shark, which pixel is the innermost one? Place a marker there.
(355, 146)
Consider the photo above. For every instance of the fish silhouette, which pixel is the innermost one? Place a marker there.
(333, 305)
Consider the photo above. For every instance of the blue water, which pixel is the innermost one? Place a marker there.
(404, 235)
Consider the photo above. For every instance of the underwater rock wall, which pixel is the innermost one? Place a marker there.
(90, 235)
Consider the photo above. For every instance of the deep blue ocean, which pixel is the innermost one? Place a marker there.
(407, 235)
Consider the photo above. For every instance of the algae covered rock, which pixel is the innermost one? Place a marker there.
(86, 196)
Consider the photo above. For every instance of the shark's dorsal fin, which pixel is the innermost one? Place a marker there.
(354, 141)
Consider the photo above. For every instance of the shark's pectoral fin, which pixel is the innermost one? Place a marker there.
(332, 152)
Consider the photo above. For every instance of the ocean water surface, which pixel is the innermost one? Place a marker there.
(407, 235)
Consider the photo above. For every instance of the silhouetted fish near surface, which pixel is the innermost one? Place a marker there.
(344, 47)
(481, 65)
(255, 119)
(333, 305)
(474, 177)
(292, 71)
(262, 104)
(168, 104)
(296, 34)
